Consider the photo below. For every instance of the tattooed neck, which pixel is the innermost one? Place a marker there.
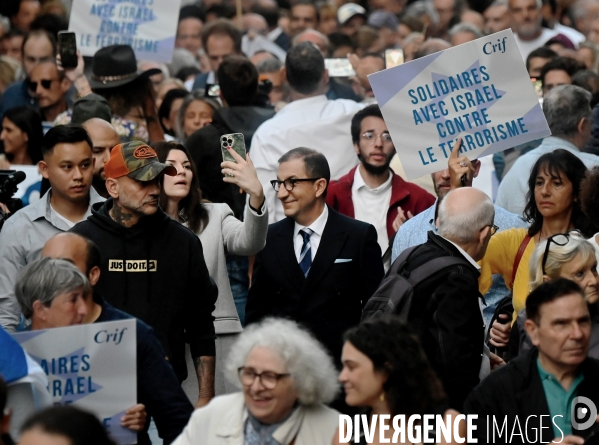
(122, 216)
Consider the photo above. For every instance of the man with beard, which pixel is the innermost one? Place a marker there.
(525, 20)
(104, 137)
(371, 191)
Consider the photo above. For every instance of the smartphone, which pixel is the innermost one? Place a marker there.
(212, 90)
(393, 57)
(67, 48)
(236, 142)
(339, 68)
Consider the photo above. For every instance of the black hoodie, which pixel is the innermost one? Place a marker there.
(156, 272)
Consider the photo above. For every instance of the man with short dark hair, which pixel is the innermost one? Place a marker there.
(220, 39)
(537, 59)
(38, 47)
(68, 164)
(372, 192)
(539, 388)
(303, 15)
(152, 267)
(157, 386)
(310, 120)
(318, 267)
(559, 71)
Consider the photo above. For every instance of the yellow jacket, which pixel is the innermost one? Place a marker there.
(499, 258)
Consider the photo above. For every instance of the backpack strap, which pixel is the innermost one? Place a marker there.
(521, 250)
(425, 271)
(401, 261)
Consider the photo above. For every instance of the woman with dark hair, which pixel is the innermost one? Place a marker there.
(220, 232)
(386, 371)
(195, 112)
(169, 109)
(589, 200)
(552, 207)
(64, 425)
(22, 135)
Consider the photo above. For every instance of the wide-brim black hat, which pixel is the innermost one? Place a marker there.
(116, 65)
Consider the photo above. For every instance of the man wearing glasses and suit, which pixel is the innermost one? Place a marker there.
(318, 267)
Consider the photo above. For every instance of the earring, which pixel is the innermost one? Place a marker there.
(382, 397)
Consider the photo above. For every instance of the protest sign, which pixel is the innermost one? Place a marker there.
(148, 26)
(91, 366)
(479, 91)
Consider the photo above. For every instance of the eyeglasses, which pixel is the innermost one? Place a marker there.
(268, 379)
(561, 239)
(371, 136)
(289, 184)
(493, 227)
(46, 84)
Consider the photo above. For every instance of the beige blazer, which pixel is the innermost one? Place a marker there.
(222, 422)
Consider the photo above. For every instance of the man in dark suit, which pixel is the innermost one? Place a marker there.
(318, 267)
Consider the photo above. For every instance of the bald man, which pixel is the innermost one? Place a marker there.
(157, 385)
(104, 137)
(447, 305)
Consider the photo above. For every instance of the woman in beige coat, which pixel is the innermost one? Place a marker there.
(285, 376)
(220, 233)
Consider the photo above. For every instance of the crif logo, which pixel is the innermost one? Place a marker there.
(583, 413)
(132, 265)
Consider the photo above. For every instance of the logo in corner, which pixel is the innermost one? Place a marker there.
(144, 152)
(583, 413)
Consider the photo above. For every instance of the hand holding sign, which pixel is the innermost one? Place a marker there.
(135, 418)
(460, 168)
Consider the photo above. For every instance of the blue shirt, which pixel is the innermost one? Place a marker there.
(16, 95)
(413, 232)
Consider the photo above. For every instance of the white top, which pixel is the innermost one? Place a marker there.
(316, 123)
(317, 227)
(371, 205)
(528, 46)
(69, 223)
(574, 36)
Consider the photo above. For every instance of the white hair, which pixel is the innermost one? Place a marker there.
(464, 226)
(310, 366)
(466, 27)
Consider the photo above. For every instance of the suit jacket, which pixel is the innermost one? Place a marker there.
(515, 391)
(345, 272)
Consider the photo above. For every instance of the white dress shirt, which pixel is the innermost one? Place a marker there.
(317, 227)
(316, 123)
(371, 205)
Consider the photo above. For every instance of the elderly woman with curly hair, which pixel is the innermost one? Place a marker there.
(385, 371)
(285, 376)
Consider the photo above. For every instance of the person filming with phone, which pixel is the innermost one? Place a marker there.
(219, 231)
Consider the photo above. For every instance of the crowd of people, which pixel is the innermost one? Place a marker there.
(282, 279)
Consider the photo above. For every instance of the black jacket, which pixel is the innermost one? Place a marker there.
(176, 297)
(447, 317)
(516, 391)
(345, 272)
(157, 385)
(204, 146)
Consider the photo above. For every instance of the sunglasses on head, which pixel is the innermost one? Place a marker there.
(560, 239)
(45, 83)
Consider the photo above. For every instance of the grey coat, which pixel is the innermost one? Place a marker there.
(226, 234)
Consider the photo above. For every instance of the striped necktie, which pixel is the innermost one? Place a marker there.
(305, 259)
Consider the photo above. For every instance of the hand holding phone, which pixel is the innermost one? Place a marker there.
(67, 48)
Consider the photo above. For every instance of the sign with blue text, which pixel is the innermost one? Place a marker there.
(92, 366)
(148, 26)
(479, 91)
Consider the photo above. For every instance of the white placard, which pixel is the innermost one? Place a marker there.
(479, 91)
